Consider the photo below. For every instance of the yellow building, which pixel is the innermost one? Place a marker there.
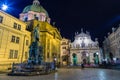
(65, 51)
(16, 36)
(50, 40)
(50, 37)
(14, 41)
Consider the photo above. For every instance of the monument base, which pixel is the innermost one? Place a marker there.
(31, 70)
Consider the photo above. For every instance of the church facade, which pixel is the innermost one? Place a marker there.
(84, 50)
(50, 37)
(16, 36)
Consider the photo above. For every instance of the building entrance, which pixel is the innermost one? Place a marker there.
(85, 57)
(74, 59)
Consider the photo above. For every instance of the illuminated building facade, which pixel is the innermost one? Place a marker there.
(111, 45)
(83, 49)
(50, 37)
(14, 41)
(50, 40)
(65, 51)
(16, 36)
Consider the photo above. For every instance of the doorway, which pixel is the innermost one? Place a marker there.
(74, 59)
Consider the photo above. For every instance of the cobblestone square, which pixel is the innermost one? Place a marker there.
(71, 74)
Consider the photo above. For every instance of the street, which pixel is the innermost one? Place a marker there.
(71, 74)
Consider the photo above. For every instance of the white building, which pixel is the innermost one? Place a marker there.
(85, 50)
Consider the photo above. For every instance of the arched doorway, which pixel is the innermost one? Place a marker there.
(96, 58)
(74, 59)
(85, 57)
(111, 56)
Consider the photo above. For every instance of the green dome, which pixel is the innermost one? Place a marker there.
(35, 8)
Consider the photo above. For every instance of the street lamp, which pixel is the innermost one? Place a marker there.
(55, 59)
(97, 53)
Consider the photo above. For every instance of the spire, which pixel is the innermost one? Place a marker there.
(36, 2)
(81, 30)
(87, 33)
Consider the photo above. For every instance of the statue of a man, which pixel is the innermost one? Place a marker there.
(36, 33)
(34, 47)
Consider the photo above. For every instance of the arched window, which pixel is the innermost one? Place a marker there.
(26, 19)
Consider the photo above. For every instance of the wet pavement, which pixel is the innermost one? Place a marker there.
(71, 74)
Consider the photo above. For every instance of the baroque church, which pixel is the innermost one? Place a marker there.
(84, 49)
(16, 36)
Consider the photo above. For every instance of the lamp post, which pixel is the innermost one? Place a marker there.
(55, 63)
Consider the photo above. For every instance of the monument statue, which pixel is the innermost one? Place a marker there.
(36, 33)
(35, 52)
(35, 64)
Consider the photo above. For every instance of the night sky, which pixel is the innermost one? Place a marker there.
(95, 16)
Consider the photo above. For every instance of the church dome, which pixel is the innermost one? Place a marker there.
(36, 7)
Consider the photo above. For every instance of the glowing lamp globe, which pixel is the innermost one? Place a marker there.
(4, 7)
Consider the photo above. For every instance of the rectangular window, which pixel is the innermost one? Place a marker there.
(16, 54)
(11, 54)
(15, 25)
(19, 27)
(63, 47)
(13, 39)
(17, 39)
(27, 42)
(1, 19)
